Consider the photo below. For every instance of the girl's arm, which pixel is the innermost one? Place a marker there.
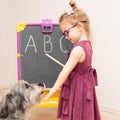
(75, 57)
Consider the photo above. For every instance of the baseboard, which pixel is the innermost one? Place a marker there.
(109, 109)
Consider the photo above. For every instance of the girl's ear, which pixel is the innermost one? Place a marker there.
(80, 26)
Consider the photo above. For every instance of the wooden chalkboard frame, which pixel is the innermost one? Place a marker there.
(21, 27)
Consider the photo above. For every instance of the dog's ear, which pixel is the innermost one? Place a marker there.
(4, 112)
(21, 102)
(16, 101)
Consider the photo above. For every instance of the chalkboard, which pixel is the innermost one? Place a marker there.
(34, 41)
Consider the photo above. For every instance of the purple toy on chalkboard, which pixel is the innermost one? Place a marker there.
(47, 26)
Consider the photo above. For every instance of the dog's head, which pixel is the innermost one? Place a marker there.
(30, 94)
(21, 96)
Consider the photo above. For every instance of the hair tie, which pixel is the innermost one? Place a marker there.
(70, 12)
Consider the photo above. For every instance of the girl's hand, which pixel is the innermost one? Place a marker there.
(46, 97)
(51, 92)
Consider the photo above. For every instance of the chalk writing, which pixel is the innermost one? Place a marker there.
(61, 39)
(47, 42)
(31, 45)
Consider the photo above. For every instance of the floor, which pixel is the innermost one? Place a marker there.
(43, 114)
(50, 113)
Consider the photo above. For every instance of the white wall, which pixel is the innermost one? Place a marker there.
(105, 17)
(8, 68)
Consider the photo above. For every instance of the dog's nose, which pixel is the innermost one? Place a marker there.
(41, 84)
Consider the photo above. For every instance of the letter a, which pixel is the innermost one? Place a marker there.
(31, 45)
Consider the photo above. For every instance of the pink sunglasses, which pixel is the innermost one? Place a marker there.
(66, 32)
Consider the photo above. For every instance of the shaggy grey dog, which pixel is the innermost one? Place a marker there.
(21, 97)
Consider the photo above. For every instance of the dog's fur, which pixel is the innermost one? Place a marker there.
(20, 97)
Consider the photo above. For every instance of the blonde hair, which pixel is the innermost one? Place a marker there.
(76, 15)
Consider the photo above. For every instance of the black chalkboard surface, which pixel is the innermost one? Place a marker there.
(34, 41)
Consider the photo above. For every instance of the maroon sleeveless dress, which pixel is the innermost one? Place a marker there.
(77, 96)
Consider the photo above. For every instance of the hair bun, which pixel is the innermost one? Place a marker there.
(73, 4)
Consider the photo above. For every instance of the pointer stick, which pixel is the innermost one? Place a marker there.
(53, 59)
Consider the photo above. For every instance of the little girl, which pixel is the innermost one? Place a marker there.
(77, 79)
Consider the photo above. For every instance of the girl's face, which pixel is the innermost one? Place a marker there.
(71, 32)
